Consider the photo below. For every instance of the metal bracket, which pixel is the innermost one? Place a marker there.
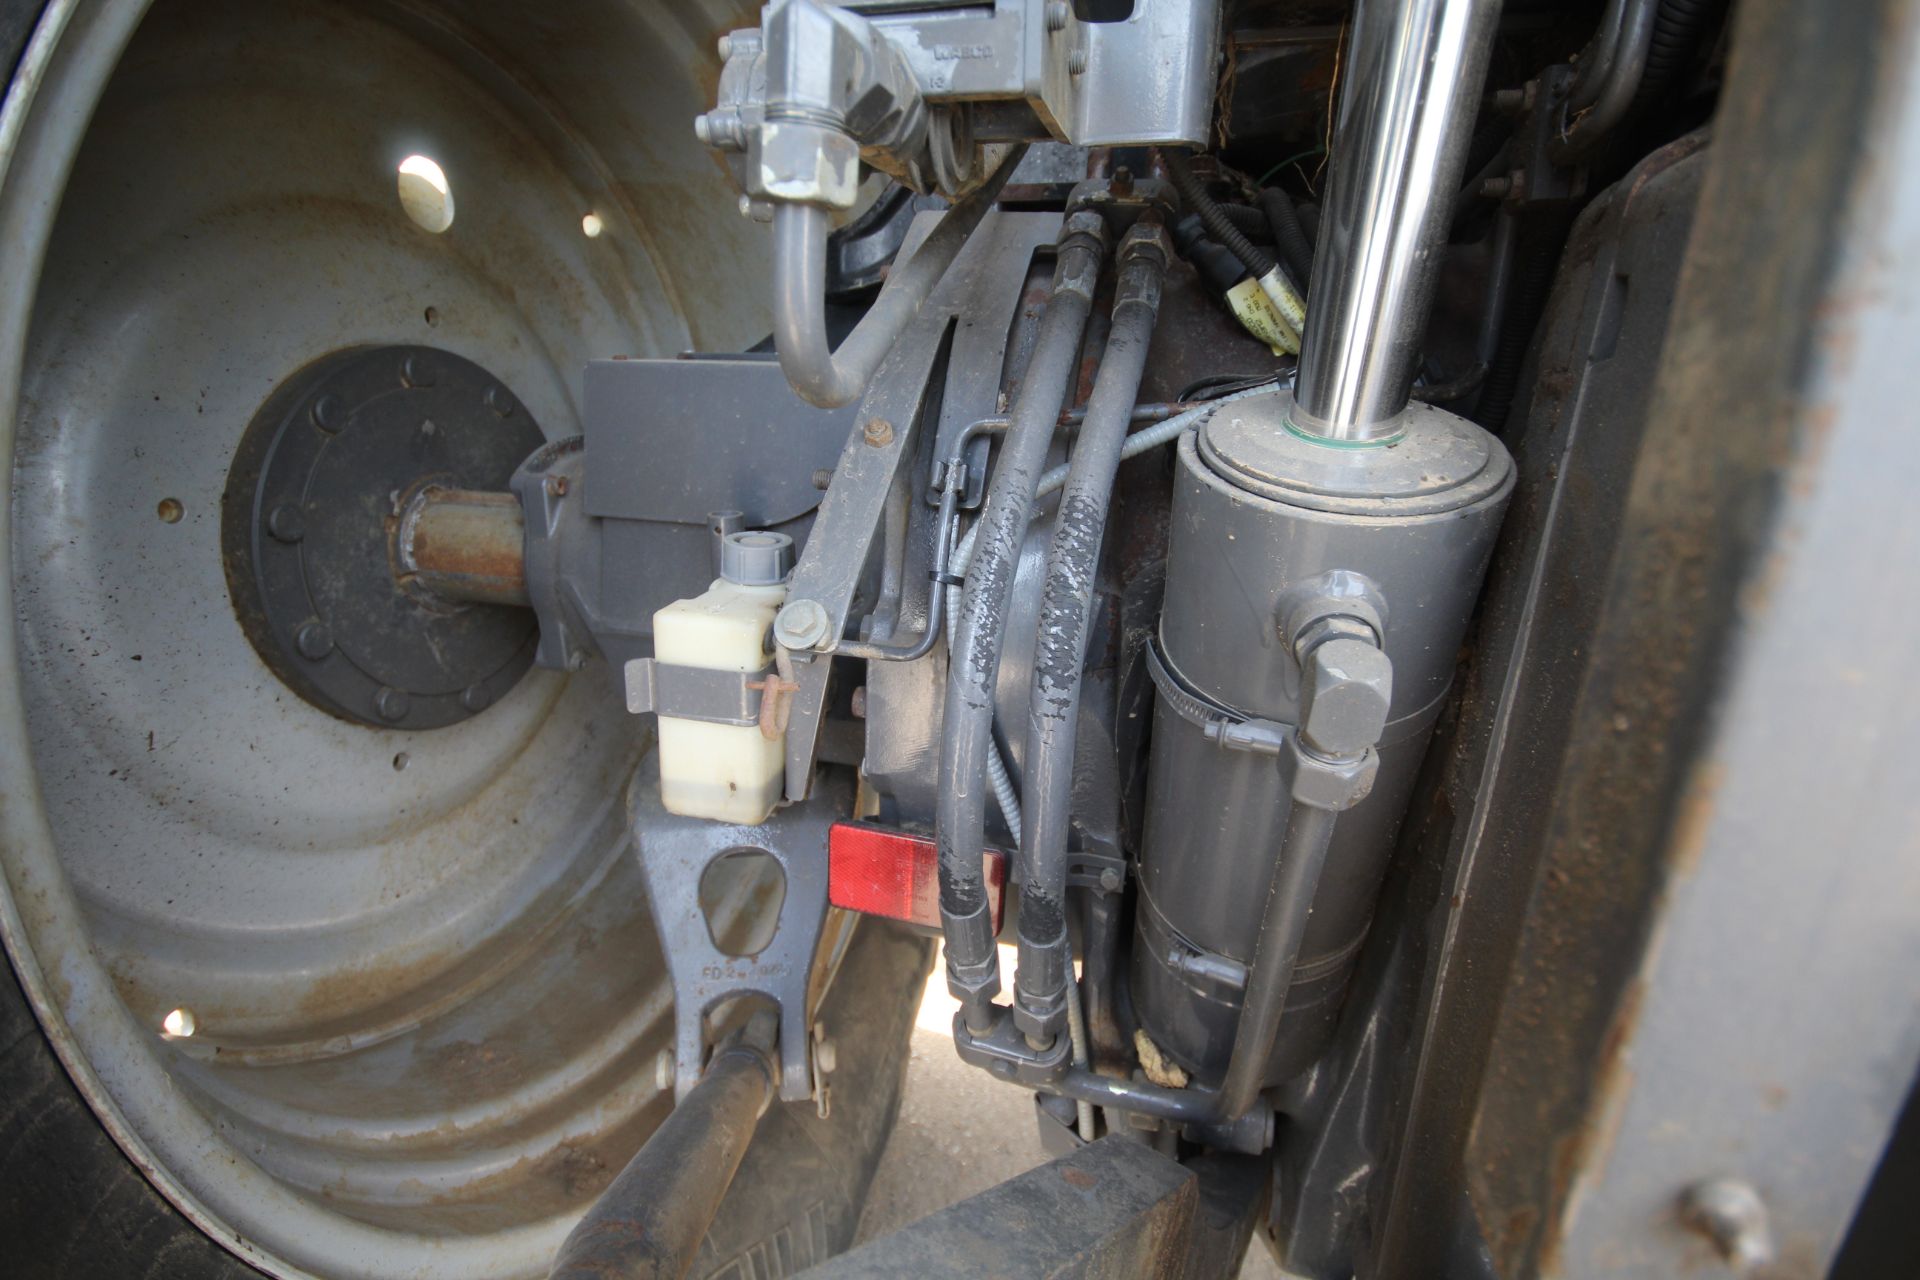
(1004, 1051)
(1101, 872)
(984, 285)
(674, 854)
(695, 693)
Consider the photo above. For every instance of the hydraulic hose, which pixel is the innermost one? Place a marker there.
(1162, 431)
(974, 663)
(834, 378)
(1066, 609)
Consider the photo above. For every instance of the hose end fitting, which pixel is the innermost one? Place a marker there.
(973, 964)
(1040, 988)
(1082, 245)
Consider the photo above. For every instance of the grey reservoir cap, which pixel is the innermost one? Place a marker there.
(756, 558)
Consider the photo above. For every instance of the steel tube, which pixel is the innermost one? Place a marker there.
(974, 664)
(1614, 94)
(1066, 609)
(834, 378)
(652, 1218)
(1302, 857)
(1413, 83)
(462, 544)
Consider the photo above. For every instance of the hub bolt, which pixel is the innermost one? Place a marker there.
(314, 640)
(391, 703)
(416, 371)
(286, 524)
(329, 414)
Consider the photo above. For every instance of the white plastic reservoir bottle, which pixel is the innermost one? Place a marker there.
(730, 773)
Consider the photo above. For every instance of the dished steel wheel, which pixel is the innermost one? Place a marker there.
(357, 1001)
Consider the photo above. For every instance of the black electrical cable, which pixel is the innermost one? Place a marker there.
(1677, 28)
(1250, 222)
(1218, 224)
(1288, 236)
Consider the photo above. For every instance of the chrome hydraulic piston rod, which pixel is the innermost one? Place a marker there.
(1412, 85)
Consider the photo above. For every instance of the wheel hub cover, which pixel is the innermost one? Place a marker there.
(307, 523)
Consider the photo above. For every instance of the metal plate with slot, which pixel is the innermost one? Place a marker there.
(674, 855)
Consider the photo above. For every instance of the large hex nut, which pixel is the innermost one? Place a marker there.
(974, 983)
(1345, 695)
(803, 163)
(1333, 785)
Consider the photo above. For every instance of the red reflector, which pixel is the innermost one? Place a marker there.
(883, 872)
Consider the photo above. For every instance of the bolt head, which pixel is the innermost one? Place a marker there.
(497, 399)
(1731, 1213)
(703, 127)
(802, 624)
(725, 46)
(313, 640)
(859, 703)
(556, 486)
(286, 524)
(417, 371)
(1110, 880)
(475, 698)
(664, 1070)
(329, 413)
(392, 704)
(879, 432)
(827, 1056)
(1350, 684)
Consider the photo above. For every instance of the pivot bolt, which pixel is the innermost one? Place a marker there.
(1731, 1213)
(313, 640)
(286, 524)
(392, 704)
(802, 624)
